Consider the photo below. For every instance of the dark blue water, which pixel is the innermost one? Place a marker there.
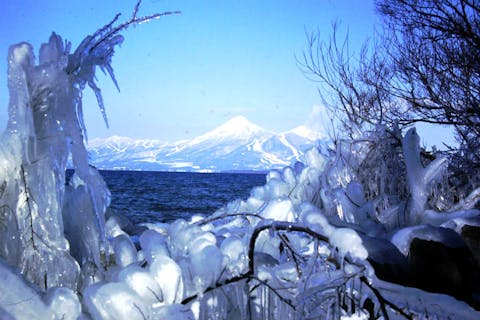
(166, 196)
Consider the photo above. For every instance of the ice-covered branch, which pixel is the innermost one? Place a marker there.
(384, 302)
(249, 274)
(419, 178)
(257, 273)
(277, 226)
(134, 20)
(467, 203)
(227, 216)
(50, 221)
(98, 49)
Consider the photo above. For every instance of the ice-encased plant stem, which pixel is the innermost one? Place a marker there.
(44, 129)
(419, 178)
(40, 130)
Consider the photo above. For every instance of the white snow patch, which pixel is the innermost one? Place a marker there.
(347, 241)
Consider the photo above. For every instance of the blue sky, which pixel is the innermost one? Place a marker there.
(183, 75)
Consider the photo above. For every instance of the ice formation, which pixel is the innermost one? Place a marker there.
(418, 177)
(298, 248)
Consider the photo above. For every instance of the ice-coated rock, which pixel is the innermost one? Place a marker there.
(206, 265)
(115, 301)
(267, 245)
(89, 275)
(201, 241)
(276, 188)
(314, 219)
(184, 237)
(168, 275)
(308, 180)
(113, 228)
(280, 209)
(142, 283)
(19, 299)
(233, 250)
(253, 203)
(124, 249)
(153, 244)
(63, 303)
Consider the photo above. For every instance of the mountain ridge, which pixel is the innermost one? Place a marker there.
(236, 145)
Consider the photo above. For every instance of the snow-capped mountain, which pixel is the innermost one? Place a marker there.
(237, 145)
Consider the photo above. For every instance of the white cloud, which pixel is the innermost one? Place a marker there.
(318, 120)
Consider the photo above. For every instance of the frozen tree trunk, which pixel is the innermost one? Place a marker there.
(419, 178)
(45, 128)
(32, 238)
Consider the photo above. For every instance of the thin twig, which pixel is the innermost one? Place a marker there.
(275, 291)
(125, 25)
(27, 200)
(286, 242)
(226, 216)
(384, 301)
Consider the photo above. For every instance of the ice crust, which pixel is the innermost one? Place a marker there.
(292, 250)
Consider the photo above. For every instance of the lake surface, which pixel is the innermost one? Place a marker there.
(145, 196)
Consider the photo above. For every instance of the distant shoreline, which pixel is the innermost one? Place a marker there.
(264, 172)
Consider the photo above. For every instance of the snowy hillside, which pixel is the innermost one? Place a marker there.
(237, 145)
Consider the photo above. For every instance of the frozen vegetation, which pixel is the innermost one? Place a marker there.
(328, 238)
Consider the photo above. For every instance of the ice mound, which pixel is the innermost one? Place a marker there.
(21, 300)
(168, 275)
(114, 300)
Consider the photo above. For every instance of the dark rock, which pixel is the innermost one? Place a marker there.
(471, 236)
(389, 263)
(438, 261)
(436, 267)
